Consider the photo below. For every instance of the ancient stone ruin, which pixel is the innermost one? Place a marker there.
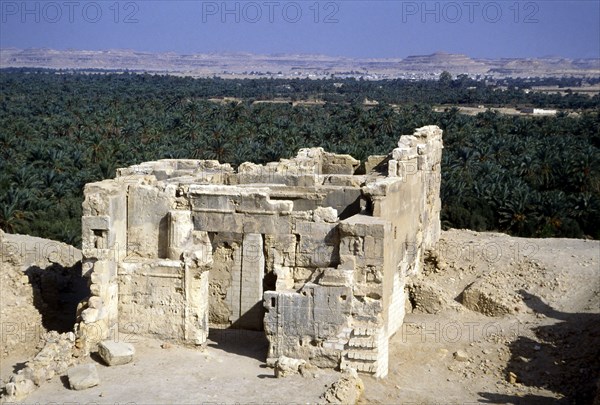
(315, 250)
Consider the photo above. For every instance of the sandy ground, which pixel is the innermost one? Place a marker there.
(550, 342)
(230, 370)
(545, 349)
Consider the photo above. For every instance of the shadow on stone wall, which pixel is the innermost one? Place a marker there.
(247, 343)
(56, 292)
(252, 319)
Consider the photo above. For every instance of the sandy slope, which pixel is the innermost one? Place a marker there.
(550, 339)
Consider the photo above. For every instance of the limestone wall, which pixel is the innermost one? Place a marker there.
(304, 248)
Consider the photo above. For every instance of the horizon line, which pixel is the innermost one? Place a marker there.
(283, 54)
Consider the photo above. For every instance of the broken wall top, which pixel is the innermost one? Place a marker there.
(311, 168)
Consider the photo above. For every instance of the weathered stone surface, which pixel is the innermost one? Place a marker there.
(461, 355)
(285, 366)
(83, 377)
(19, 388)
(176, 244)
(430, 298)
(56, 356)
(325, 214)
(90, 315)
(346, 390)
(376, 163)
(486, 297)
(308, 370)
(116, 353)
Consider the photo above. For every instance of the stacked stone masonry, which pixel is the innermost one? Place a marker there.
(306, 249)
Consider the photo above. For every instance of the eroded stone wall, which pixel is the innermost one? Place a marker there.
(305, 248)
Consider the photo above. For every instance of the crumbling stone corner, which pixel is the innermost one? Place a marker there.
(305, 249)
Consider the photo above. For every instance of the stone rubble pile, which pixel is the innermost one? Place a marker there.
(59, 352)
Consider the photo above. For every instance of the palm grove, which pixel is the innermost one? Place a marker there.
(527, 176)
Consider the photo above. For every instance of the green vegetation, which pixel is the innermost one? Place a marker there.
(522, 175)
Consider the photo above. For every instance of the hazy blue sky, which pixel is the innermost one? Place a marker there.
(342, 28)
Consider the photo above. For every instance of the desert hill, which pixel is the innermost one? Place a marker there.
(294, 65)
